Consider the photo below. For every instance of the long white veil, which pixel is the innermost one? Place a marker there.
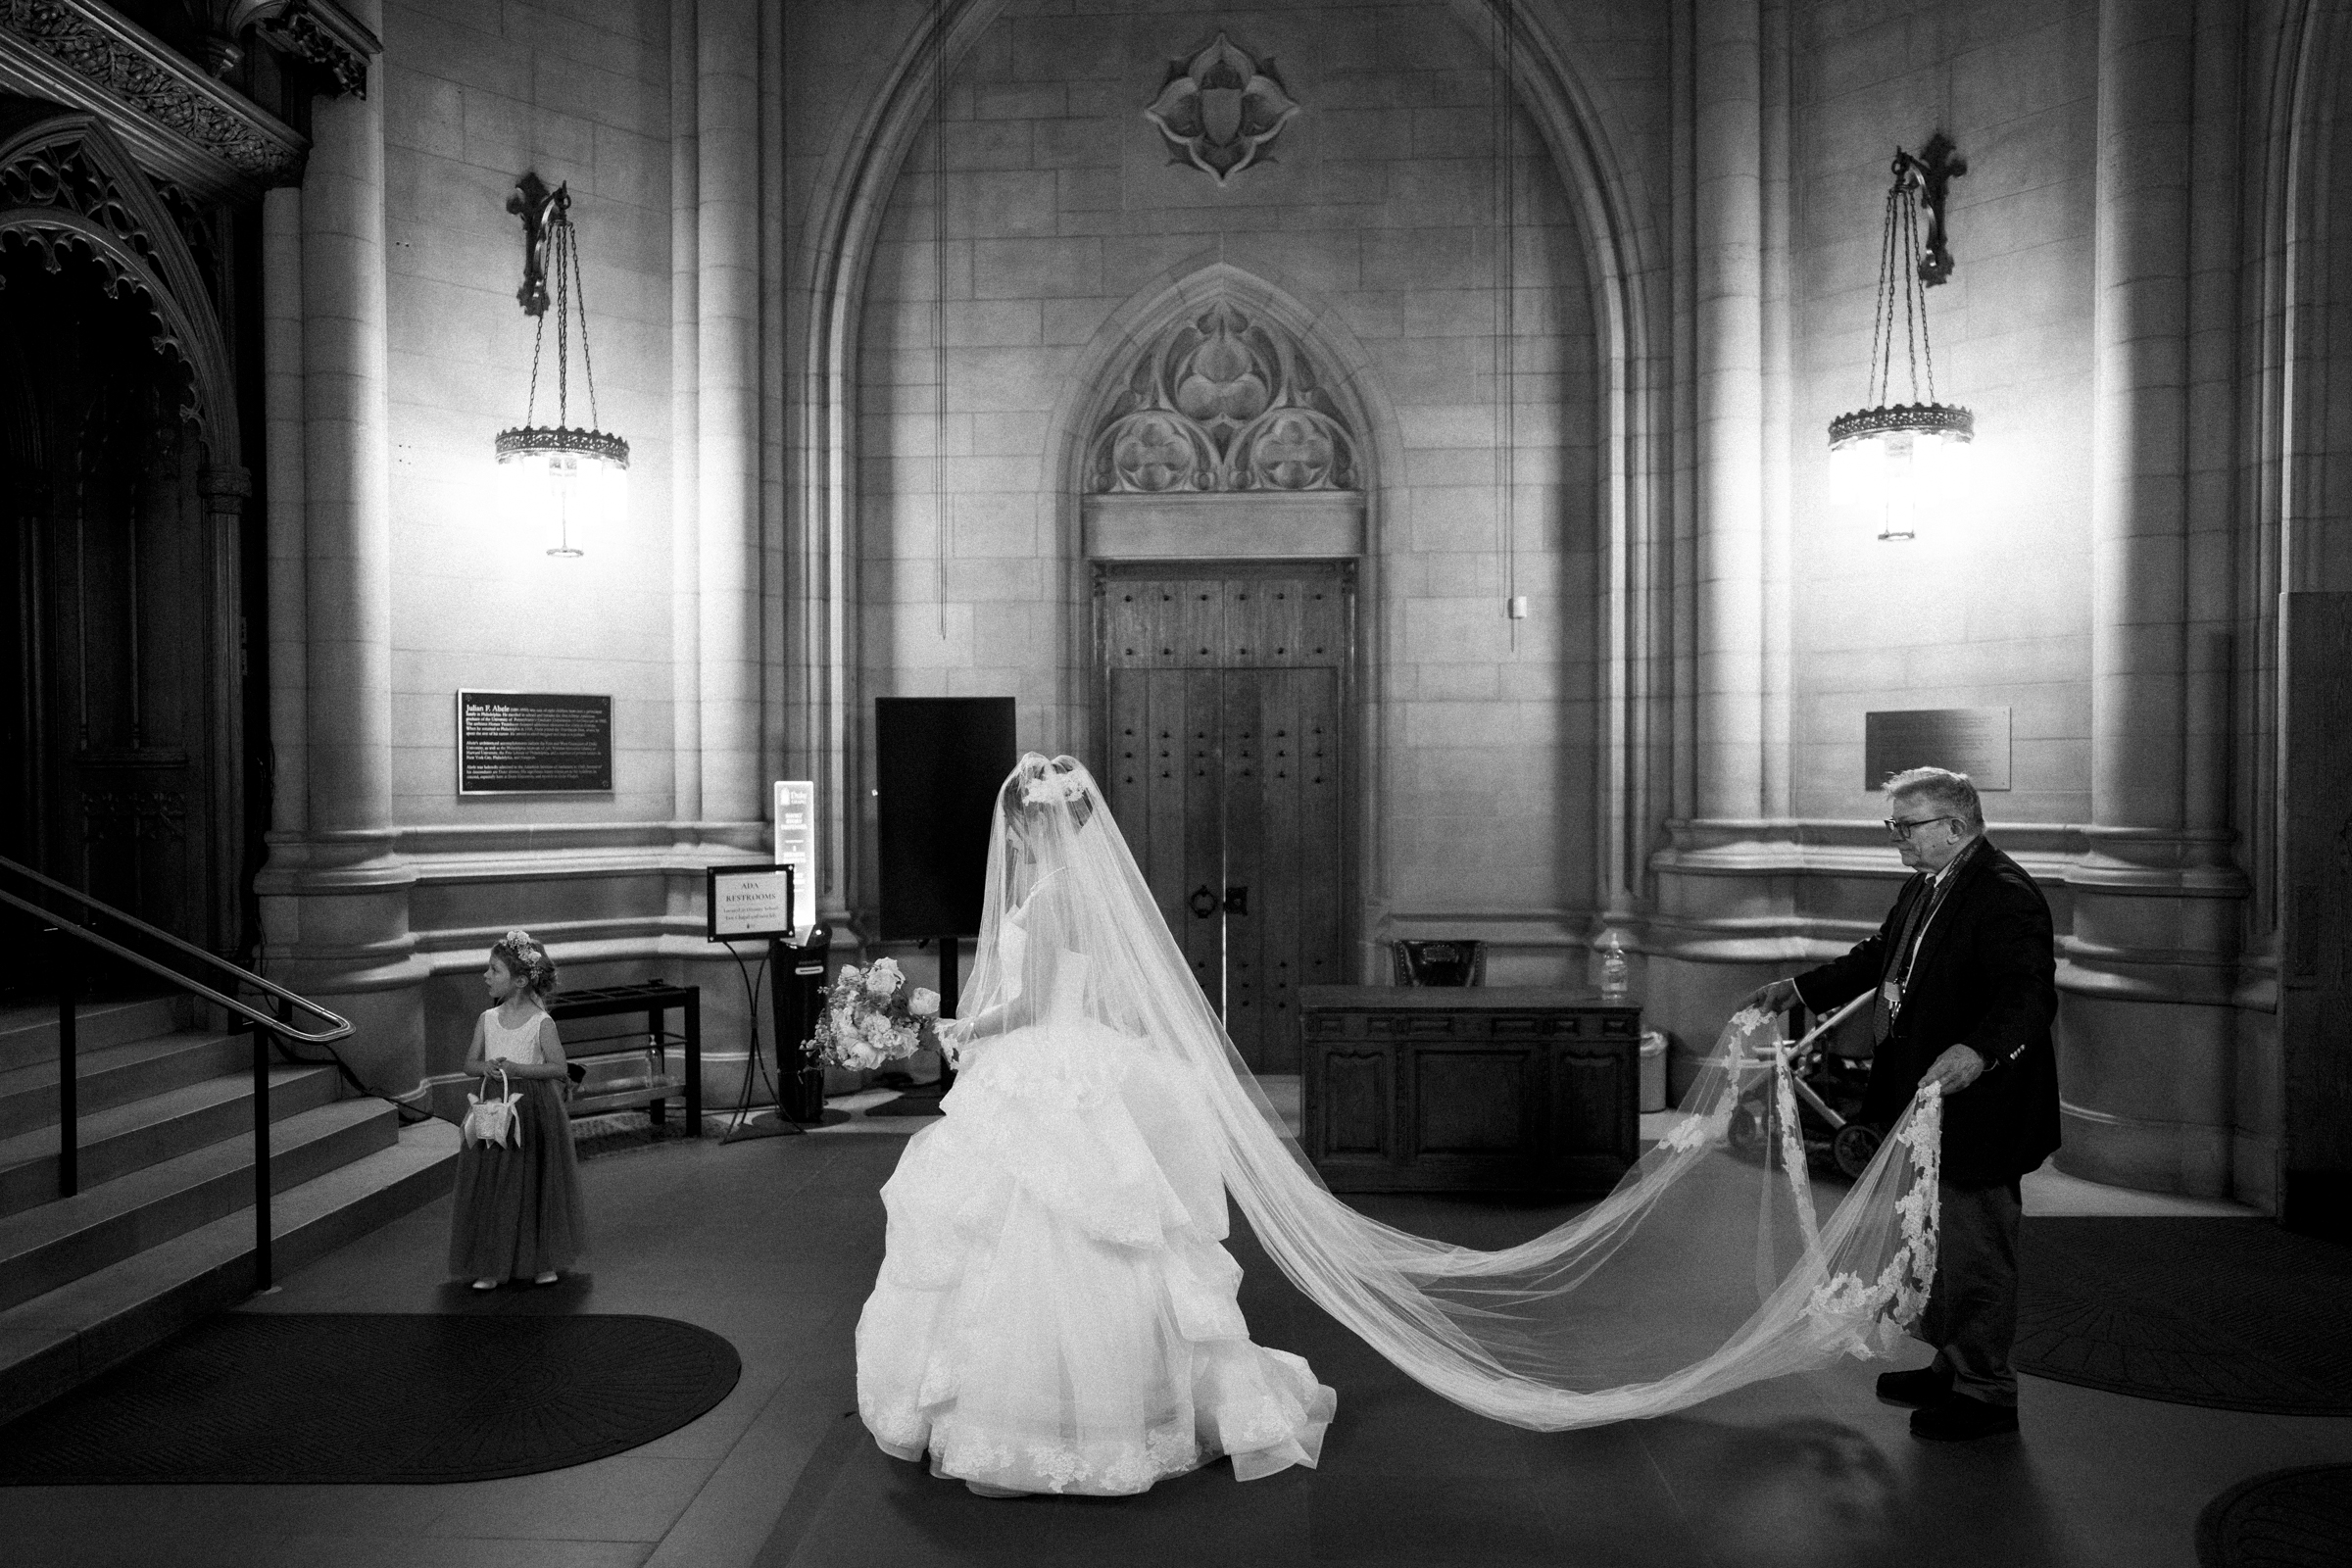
(1563, 1330)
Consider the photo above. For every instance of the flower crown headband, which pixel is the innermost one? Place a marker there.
(1052, 785)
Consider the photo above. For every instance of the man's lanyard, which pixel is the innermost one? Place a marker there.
(1892, 986)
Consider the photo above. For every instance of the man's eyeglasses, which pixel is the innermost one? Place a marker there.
(1903, 830)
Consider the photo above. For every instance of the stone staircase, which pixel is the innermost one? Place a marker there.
(161, 1232)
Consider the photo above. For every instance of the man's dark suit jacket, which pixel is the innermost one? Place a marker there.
(1984, 978)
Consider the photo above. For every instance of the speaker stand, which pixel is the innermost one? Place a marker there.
(923, 1100)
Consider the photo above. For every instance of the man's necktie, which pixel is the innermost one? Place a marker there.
(1898, 968)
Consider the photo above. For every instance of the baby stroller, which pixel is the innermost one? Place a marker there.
(1831, 1068)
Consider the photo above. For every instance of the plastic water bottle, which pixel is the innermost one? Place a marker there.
(1613, 983)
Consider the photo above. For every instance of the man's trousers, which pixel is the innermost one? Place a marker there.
(1971, 1315)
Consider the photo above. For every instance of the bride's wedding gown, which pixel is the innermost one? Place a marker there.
(1056, 1310)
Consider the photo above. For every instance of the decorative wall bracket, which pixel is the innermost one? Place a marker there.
(320, 33)
(315, 30)
(1220, 110)
(1938, 162)
(540, 210)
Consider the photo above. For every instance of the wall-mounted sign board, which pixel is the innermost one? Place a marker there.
(746, 902)
(1965, 740)
(535, 743)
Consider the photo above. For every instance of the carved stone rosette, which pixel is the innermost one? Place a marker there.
(1220, 110)
(1222, 402)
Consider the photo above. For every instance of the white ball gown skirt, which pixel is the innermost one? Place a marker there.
(1055, 1311)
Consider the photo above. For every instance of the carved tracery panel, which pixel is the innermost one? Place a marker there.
(1222, 401)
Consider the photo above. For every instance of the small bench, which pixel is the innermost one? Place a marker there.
(650, 1001)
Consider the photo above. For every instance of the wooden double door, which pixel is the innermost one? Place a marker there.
(120, 741)
(1225, 695)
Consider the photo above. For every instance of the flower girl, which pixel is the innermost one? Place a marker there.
(519, 1212)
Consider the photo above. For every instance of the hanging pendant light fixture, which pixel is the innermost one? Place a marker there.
(572, 482)
(1905, 464)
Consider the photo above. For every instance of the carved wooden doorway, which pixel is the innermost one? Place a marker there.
(114, 735)
(1225, 692)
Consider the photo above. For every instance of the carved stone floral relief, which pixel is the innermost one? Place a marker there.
(1221, 402)
(1220, 110)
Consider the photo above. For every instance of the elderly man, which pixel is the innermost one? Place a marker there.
(1964, 970)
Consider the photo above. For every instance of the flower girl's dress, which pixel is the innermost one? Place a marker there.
(1055, 1311)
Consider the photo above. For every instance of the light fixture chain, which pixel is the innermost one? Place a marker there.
(1927, 343)
(1910, 257)
(1882, 321)
(563, 321)
(580, 292)
(530, 407)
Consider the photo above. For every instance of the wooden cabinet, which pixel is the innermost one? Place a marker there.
(1475, 1089)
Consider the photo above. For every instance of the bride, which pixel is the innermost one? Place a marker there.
(1055, 1311)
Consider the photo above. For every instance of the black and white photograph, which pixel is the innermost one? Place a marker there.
(1082, 783)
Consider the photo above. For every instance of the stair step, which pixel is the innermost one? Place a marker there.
(57, 1340)
(45, 1248)
(116, 1075)
(28, 1035)
(146, 1132)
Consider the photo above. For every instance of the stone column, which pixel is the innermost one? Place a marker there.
(1730, 414)
(685, 424)
(336, 891)
(2147, 1063)
(283, 440)
(727, 289)
(347, 458)
(225, 488)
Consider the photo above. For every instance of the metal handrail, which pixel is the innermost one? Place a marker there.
(339, 1027)
(275, 1024)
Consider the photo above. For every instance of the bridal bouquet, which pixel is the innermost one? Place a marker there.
(871, 1018)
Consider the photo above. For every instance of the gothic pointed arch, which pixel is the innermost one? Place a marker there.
(1600, 157)
(69, 185)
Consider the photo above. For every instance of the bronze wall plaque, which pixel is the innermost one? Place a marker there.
(1967, 740)
(535, 743)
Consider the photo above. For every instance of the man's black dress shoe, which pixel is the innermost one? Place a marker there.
(1917, 1388)
(1961, 1419)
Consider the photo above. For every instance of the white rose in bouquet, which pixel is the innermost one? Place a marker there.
(884, 978)
(924, 1004)
(850, 978)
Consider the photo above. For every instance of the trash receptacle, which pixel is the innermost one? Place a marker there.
(1653, 1070)
(1440, 963)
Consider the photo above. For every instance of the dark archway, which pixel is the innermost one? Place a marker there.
(122, 677)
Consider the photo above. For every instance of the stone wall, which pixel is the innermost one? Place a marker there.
(1377, 217)
(1997, 611)
(469, 98)
(476, 95)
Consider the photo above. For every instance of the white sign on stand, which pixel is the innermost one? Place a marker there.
(796, 845)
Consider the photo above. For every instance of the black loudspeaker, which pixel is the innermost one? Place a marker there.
(938, 763)
(797, 977)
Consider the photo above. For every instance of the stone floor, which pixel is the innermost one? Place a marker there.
(773, 1243)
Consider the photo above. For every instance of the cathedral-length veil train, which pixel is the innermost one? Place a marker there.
(1056, 1312)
